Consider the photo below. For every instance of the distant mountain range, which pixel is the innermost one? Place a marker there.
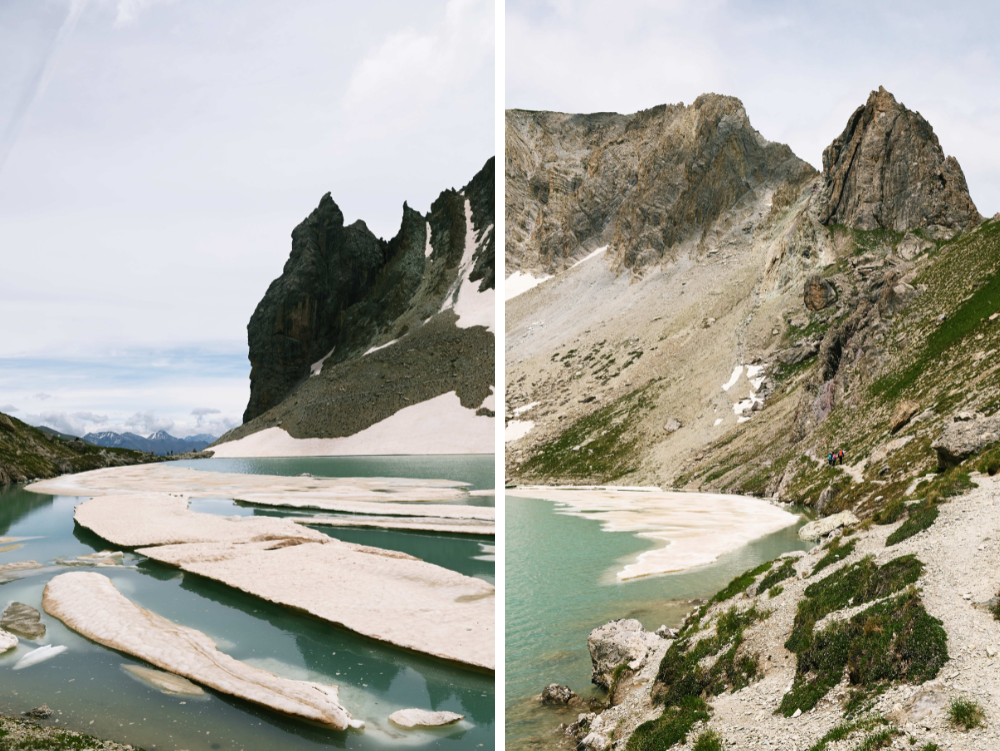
(159, 442)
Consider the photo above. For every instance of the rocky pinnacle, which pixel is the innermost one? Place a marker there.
(887, 169)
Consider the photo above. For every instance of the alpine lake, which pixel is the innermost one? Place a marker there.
(89, 690)
(561, 584)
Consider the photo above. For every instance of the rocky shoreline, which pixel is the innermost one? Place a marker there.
(29, 732)
(951, 565)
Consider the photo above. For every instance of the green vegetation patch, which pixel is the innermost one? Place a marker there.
(777, 575)
(741, 582)
(670, 728)
(948, 484)
(921, 517)
(709, 740)
(834, 552)
(600, 446)
(879, 739)
(842, 730)
(989, 460)
(965, 713)
(680, 675)
(857, 584)
(896, 640)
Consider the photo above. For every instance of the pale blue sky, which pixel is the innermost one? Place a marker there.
(155, 156)
(800, 68)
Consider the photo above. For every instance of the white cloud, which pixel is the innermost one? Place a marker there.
(411, 70)
(201, 412)
(56, 420)
(148, 422)
(42, 396)
(90, 417)
(8, 408)
(127, 11)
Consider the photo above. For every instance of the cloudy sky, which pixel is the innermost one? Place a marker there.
(800, 68)
(155, 156)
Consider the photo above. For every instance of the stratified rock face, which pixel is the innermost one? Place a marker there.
(887, 169)
(343, 291)
(640, 183)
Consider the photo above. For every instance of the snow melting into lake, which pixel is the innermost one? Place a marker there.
(517, 429)
(473, 308)
(696, 528)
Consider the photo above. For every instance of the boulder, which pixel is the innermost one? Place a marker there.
(556, 694)
(960, 440)
(821, 527)
(904, 411)
(614, 643)
(413, 718)
(819, 293)
(666, 633)
(23, 620)
(39, 713)
(673, 425)
(595, 742)
(912, 246)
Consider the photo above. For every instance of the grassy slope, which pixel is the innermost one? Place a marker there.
(27, 453)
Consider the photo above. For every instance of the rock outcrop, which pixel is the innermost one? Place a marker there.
(327, 328)
(641, 183)
(964, 438)
(818, 529)
(618, 642)
(887, 169)
(556, 694)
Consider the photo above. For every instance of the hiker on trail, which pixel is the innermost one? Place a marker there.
(829, 459)
(841, 457)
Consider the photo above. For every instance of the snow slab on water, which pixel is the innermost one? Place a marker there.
(412, 718)
(431, 524)
(517, 429)
(89, 604)
(36, 656)
(168, 683)
(437, 426)
(696, 528)
(364, 495)
(382, 594)
(7, 641)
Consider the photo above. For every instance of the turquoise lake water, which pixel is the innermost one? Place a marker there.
(560, 585)
(89, 691)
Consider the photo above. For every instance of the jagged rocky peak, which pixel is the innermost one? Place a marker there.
(887, 169)
(641, 183)
(343, 290)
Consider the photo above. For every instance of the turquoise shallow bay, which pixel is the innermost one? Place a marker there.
(560, 585)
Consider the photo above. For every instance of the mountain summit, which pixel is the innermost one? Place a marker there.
(888, 170)
(643, 183)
